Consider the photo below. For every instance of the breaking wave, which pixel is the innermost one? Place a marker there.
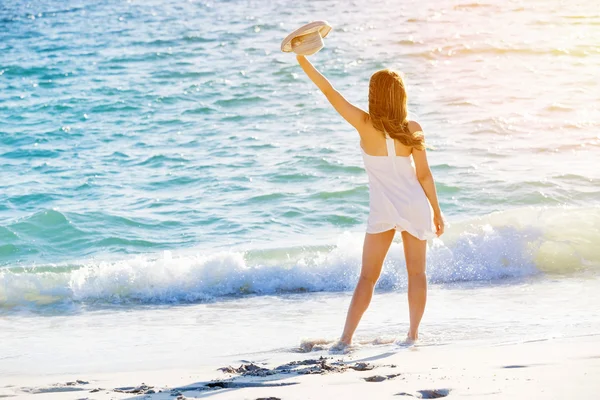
(509, 244)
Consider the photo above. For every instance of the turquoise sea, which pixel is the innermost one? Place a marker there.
(161, 153)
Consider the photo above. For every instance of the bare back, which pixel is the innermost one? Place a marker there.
(373, 143)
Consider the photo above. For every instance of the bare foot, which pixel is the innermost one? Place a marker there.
(410, 340)
(340, 347)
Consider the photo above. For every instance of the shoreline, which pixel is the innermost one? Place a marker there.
(553, 369)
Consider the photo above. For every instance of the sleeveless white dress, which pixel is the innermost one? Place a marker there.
(396, 198)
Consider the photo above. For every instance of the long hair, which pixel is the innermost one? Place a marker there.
(387, 108)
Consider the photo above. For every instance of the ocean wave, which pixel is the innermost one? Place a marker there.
(240, 101)
(160, 160)
(510, 244)
(52, 234)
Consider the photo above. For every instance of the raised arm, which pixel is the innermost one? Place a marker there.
(354, 115)
(425, 178)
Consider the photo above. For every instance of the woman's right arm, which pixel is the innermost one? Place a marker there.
(354, 115)
(425, 178)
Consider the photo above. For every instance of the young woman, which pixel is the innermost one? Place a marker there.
(402, 193)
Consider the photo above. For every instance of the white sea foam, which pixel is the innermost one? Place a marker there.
(502, 245)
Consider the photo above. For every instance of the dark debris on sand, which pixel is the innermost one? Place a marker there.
(77, 382)
(141, 389)
(427, 394)
(362, 366)
(250, 369)
(380, 378)
(322, 365)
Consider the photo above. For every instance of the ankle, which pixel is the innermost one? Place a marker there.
(345, 340)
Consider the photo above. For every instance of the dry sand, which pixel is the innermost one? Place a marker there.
(564, 368)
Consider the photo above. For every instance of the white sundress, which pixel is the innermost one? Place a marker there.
(396, 198)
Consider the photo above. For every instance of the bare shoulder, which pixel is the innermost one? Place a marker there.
(418, 155)
(366, 128)
(414, 126)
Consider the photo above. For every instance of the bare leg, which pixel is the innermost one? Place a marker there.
(375, 249)
(415, 253)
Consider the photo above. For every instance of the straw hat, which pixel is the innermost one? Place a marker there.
(307, 39)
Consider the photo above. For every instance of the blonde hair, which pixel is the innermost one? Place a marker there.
(387, 108)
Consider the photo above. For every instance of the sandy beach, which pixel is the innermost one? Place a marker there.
(561, 368)
(180, 206)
